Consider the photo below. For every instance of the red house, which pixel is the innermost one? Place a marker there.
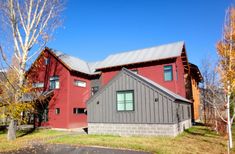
(69, 82)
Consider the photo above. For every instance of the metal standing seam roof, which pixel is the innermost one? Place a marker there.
(143, 55)
(125, 58)
(77, 64)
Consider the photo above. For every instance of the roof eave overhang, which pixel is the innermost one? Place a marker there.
(124, 65)
(184, 58)
(196, 69)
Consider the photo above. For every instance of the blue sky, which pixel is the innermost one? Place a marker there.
(94, 29)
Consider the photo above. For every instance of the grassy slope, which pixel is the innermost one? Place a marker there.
(24, 140)
(197, 139)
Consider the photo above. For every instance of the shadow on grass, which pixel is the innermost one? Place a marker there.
(198, 124)
(26, 132)
(201, 131)
(3, 129)
(189, 131)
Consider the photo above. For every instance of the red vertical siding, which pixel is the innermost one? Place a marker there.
(155, 72)
(66, 97)
(180, 82)
(78, 97)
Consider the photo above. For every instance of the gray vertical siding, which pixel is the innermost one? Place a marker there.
(146, 109)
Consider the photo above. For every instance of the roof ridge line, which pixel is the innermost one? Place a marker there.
(132, 50)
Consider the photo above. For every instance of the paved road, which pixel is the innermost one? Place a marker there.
(67, 149)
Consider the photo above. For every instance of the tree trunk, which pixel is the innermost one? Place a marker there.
(230, 141)
(11, 134)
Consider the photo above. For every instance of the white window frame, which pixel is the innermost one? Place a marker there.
(125, 101)
(38, 85)
(56, 81)
(80, 83)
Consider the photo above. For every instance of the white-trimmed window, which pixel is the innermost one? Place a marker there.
(38, 85)
(125, 100)
(54, 82)
(79, 83)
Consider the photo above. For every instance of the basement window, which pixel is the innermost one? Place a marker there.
(57, 111)
(125, 100)
(54, 82)
(79, 83)
(79, 110)
(168, 74)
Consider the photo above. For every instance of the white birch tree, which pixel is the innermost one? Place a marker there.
(226, 67)
(27, 26)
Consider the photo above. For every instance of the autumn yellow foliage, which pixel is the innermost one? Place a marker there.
(226, 52)
(12, 104)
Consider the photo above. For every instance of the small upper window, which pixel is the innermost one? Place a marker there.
(168, 74)
(47, 60)
(54, 82)
(94, 90)
(125, 100)
(79, 83)
(57, 111)
(38, 85)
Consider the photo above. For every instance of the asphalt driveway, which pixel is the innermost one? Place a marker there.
(68, 149)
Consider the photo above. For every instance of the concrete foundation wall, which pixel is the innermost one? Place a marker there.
(139, 129)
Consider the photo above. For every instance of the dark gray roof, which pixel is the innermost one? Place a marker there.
(125, 58)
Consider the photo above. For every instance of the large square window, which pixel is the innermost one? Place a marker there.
(125, 100)
(168, 73)
(54, 82)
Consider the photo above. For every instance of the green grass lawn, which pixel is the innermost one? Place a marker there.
(24, 139)
(197, 139)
